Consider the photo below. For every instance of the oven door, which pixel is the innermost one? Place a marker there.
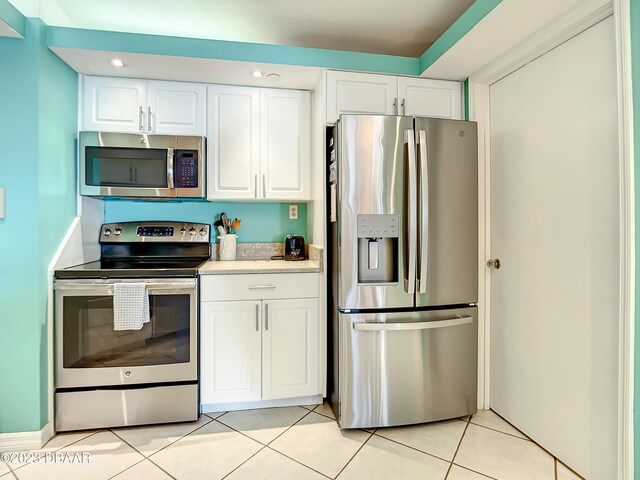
(89, 352)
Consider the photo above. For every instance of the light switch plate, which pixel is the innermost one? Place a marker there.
(293, 212)
(2, 203)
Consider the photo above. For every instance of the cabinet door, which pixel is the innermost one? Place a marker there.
(349, 92)
(113, 105)
(233, 138)
(176, 108)
(290, 348)
(230, 352)
(424, 97)
(285, 145)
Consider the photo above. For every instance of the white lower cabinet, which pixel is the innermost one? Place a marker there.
(290, 348)
(257, 350)
(230, 359)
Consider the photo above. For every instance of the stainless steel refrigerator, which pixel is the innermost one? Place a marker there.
(403, 254)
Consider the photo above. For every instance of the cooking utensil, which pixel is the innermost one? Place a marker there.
(221, 230)
(235, 226)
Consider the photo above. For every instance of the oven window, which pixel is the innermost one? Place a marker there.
(89, 340)
(126, 167)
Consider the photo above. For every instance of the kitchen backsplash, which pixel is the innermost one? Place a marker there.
(261, 222)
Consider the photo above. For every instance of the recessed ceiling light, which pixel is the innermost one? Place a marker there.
(257, 74)
(273, 76)
(116, 62)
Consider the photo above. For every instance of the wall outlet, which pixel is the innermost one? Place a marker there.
(293, 212)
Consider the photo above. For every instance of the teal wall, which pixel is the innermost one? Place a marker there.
(261, 222)
(38, 120)
(635, 58)
(12, 17)
(226, 50)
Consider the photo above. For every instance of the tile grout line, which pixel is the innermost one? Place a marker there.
(484, 475)
(409, 446)
(56, 450)
(264, 445)
(555, 468)
(129, 467)
(148, 457)
(504, 433)
(354, 455)
(144, 457)
(236, 468)
(297, 461)
(457, 448)
(505, 420)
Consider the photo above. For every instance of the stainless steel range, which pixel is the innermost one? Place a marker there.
(111, 371)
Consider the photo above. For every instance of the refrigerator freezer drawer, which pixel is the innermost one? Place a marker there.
(405, 368)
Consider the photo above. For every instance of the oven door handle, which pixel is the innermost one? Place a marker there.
(190, 284)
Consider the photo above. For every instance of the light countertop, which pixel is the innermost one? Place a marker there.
(218, 267)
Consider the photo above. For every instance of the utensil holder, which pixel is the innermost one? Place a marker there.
(228, 246)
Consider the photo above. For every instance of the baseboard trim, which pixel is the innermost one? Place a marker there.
(26, 440)
(285, 402)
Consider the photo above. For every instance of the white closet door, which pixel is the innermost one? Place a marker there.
(555, 229)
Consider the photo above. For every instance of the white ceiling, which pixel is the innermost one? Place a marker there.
(186, 69)
(400, 27)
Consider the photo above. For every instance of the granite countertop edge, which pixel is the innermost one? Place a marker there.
(218, 267)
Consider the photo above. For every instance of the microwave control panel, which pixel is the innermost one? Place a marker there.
(185, 168)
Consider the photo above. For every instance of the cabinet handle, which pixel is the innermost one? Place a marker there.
(149, 124)
(255, 184)
(395, 106)
(257, 321)
(261, 287)
(266, 316)
(264, 186)
(141, 118)
(404, 108)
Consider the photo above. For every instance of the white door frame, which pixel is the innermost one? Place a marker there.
(582, 16)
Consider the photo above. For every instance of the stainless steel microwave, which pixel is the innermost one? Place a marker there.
(138, 165)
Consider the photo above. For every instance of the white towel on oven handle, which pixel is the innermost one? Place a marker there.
(130, 306)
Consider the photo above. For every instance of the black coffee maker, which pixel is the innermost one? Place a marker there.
(294, 248)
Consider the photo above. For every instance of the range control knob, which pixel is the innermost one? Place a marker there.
(192, 231)
(118, 231)
(183, 231)
(107, 232)
(203, 232)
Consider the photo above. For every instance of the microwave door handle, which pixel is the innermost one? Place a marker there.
(423, 213)
(170, 165)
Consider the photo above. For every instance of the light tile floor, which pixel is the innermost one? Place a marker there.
(297, 443)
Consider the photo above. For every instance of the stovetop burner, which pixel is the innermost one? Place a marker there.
(147, 249)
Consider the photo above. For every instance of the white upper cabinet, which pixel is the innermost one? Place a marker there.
(259, 144)
(285, 146)
(139, 106)
(352, 92)
(422, 97)
(113, 104)
(349, 92)
(233, 142)
(175, 108)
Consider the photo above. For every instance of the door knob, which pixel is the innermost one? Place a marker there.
(494, 263)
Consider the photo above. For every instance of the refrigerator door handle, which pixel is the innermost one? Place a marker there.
(411, 219)
(423, 213)
(385, 327)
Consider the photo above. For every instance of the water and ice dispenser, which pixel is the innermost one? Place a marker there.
(378, 248)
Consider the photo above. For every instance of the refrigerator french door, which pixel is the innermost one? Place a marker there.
(403, 228)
